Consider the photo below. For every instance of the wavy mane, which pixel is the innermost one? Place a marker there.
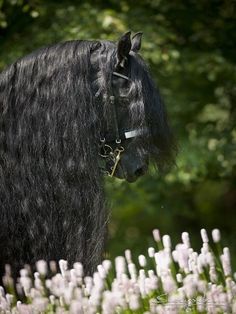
(54, 104)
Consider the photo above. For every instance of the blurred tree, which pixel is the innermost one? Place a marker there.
(190, 47)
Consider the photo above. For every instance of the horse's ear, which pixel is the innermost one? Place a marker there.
(123, 48)
(136, 42)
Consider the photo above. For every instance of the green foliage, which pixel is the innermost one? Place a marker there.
(190, 47)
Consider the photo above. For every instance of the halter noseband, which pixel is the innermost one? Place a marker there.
(106, 151)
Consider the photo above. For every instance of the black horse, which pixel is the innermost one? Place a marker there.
(68, 113)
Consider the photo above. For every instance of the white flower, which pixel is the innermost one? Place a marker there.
(40, 304)
(134, 302)
(88, 285)
(225, 260)
(179, 277)
(63, 266)
(181, 256)
(52, 299)
(151, 252)
(128, 256)
(106, 265)
(166, 241)
(76, 307)
(98, 281)
(132, 271)
(163, 261)
(213, 274)
(133, 286)
(78, 267)
(156, 235)
(190, 284)
(216, 235)
(141, 282)
(142, 260)
(26, 283)
(109, 302)
(9, 298)
(120, 266)
(168, 283)
(185, 239)
(101, 271)
(42, 267)
(204, 235)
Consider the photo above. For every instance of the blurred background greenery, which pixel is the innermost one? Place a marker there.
(190, 48)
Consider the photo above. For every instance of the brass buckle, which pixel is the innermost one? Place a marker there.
(117, 152)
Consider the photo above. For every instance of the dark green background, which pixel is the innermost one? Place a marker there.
(190, 48)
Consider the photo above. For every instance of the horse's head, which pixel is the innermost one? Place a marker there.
(136, 131)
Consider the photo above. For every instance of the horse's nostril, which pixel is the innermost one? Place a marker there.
(140, 171)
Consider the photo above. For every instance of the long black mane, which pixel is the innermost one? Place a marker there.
(54, 104)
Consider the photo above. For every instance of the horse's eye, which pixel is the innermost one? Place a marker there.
(121, 88)
(120, 83)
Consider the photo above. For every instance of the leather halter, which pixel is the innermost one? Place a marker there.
(106, 151)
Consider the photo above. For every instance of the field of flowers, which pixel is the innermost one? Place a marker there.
(165, 280)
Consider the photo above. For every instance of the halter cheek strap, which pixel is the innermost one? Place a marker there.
(106, 151)
(125, 135)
